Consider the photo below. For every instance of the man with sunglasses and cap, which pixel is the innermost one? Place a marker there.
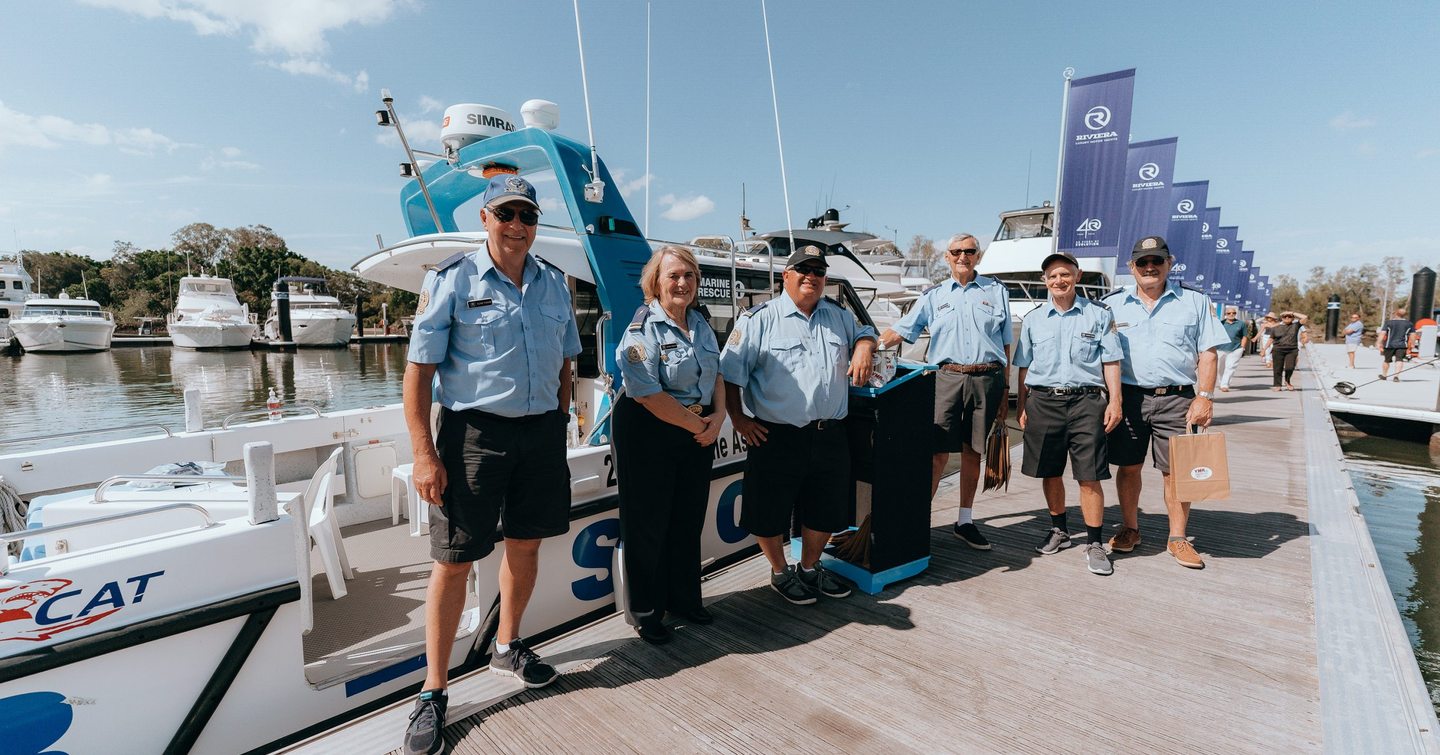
(492, 343)
(1069, 361)
(1169, 335)
(968, 316)
(792, 360)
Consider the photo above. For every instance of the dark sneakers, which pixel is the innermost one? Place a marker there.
(522, 663)
(653, 630)
(788, 584)
(971, 536)
(423, 736)
(822, 581)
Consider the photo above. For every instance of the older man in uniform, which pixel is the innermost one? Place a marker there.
(1069, 361)
(791, 357)
(1169, 334)
(970, 335)
(494, 333)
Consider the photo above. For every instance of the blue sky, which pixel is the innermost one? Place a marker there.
(1315, 123)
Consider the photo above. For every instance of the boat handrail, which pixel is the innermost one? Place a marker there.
(177, 478)
(74, 433)
(257, 412)
(10, 537)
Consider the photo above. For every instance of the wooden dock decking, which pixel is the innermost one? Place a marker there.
(1281, 643)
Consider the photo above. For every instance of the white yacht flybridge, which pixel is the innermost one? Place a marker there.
(62, 325)
(15, 288)
(209, 316)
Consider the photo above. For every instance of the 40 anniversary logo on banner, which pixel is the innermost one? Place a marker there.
(1093, 185)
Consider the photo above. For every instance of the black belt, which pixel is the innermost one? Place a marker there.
(972, 369)
(481, 413)
(1068, 390)
(1163, 390)
(819, 424)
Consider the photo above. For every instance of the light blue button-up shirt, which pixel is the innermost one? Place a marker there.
(1070, 348)
(655, 355)
(1161, 345)
(498, 348)
(793, 368)
(968, 324)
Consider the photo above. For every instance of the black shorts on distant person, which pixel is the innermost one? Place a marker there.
(1061, 427)
(799, 474)
(501, 471)
(961, 400)
(1148, 421)
(1393, 355)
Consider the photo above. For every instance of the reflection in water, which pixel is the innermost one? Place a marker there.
(55, 393)
(1398, 485)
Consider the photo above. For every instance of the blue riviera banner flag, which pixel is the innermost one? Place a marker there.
(1226, 244)
(1097, 137)
(1244, 278)
(1256, 288)
(1205, 265)
(1149, 172)
(1186, 219)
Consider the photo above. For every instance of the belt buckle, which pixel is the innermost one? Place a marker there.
(695, 409)
(1162, 390)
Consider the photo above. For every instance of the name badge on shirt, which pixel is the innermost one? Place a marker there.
(1091, 336)
(473, 303)
(669, 346)
(942, 308)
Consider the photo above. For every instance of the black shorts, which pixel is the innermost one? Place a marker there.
(1396, 354)
(502, 471)
(802, 472)
(965, 409)
(1057, 427)
(1148, 422)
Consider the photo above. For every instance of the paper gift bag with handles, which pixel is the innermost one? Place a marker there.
(1199, 470)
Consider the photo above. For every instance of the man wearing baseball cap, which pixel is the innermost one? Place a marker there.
(499, 364)
(1069, 360)
(792, 360)
(1168, 334)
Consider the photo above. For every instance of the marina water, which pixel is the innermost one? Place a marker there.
(1398, 485)
(58, 393)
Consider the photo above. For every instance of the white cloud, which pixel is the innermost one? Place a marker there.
(429, 104)
(687, 208)
(1348, 121)
(628, 186)
(422, 133)
(50, 131)
(293, 30)
(1365, 148)
(551, 205)
(228, 159)
(1427, 152)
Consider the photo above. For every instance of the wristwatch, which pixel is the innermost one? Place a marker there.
(1202, 394)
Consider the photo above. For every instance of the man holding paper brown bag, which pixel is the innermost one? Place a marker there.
(1168, 334)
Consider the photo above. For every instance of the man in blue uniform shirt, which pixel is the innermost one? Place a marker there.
(494, 335)
(970, 334)
(1069, 361)
(1169, 335)
(794, 358)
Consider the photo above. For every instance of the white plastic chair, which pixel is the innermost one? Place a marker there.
(320, 513)
(402, 483)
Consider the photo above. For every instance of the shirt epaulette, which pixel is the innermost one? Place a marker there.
(930, 288)
(1112, 292)
(1096, 302)
(1040, 308)
(642, 313)
(450, 261)
(754, 309)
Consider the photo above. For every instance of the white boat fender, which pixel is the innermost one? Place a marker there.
(260, 482)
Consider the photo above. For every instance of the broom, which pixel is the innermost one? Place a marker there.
(854, 545)
(997, 458)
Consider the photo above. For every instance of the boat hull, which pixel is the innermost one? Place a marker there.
(200, 336)
(322, 331)
(62, 335)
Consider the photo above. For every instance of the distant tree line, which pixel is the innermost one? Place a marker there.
(137, 282)
(1364, 289)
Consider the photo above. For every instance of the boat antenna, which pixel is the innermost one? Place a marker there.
(1068, 73)
(779, 142)
(84, 287)
(388, 117)
(647, 119)
(1029, 162)
(595, 190)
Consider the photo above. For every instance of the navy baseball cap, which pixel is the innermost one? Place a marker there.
(807, 254)
(509, 188)
(1065, 256)
(1150, 246)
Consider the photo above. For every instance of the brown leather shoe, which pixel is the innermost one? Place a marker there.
(1125, 541)
(1185, 554)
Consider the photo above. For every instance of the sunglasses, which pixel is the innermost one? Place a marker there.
(506, 214)
(814, 271)
(958, 252)
(1150, 262)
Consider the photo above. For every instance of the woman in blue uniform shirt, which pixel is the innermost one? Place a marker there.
(664, 423)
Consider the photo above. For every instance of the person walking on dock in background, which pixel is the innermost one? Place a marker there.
(970, 335)
(794, 357)
(492, 342)
(664, 425)
(1169, 334)
(1354, 332)
(1268, 322)
(1069, 361)
(1231, 351)
(1394, 340)
(1252, 332)
(1286, 339)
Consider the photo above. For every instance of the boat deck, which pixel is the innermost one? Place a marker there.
(1414, 398)
(1287, 640)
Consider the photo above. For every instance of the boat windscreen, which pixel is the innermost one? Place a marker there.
(1030, 226)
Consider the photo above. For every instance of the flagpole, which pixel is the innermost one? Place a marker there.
(1068, 73)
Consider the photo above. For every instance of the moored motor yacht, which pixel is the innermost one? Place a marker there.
(63, 324)
(208, 315)
(15, 286)
(316, 317)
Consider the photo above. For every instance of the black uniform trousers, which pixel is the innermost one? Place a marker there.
(664, 479)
